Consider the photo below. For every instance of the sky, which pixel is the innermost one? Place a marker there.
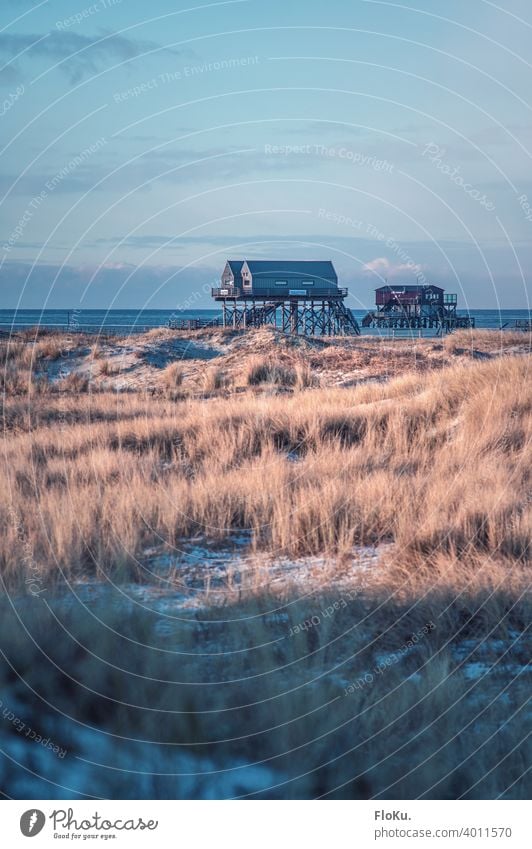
(143, 144)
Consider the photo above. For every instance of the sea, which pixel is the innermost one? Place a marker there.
(124, 322)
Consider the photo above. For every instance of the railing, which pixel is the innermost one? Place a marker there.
(12, 328)
(226, 292)
(193, 323)
(310, 293)
(398, 300)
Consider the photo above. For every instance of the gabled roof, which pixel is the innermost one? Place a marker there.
(322, 269)
(236, 269)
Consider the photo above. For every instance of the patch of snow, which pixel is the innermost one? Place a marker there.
(107, 766)
(202, 576)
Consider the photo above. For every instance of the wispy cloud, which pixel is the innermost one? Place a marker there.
(77, 56)
(262, 243)
(183, 166)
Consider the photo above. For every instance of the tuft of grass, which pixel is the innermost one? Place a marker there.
(270, 371)
(305, 379)
(108, 368)
(171, 378)
(73, 382)
(15, 381)
(50, 348)
(214, 379)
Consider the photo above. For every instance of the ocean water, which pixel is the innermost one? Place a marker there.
(137, 321)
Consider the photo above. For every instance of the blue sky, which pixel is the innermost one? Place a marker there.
(142, 144)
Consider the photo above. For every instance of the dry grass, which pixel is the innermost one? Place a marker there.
(73, 382)
(270, 371)
(305, 378)
(438, 463)
(294, 373)
(261, 358)
(281, 697)
(108, 368)
(486, 341)
(285, 370)
(50, 349)
(172, 377)
(215, 379)
(435, 461)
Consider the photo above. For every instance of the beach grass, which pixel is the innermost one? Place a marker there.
(436, 462)
(403, 679)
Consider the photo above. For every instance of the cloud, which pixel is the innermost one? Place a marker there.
(216, 165)
(383, 268)
(349, 127)
(350, 250)
(262, 243)
(77, 56)
(220, 164)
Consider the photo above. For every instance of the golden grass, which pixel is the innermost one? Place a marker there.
(264, 357)
(172, 376)
(486, 341)
(72, 382)
(214, 379)
(269, 371)
(107, 368)
(436, 462)
(291, 373)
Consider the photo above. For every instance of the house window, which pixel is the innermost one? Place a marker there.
(281, 282)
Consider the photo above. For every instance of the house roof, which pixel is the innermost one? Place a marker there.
(323, 269)
(416, 287)
(236, 267)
